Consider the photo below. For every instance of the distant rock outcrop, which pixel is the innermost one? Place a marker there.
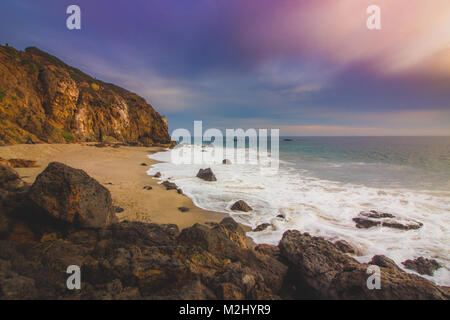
(42, 99)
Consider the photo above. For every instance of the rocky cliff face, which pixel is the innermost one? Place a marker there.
(42, 99)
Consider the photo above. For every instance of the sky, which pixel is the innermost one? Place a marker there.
(305, 67)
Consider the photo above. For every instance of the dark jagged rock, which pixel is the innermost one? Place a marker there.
(376, 214)
(143, 164)
(46, 100)
(226, 161)
(147, 188)
(117, 209)
(71, 195)
(179, 191)
(318, 267)
(206, 174)
(157, 175)
(422, 265)
(241, 205)
(261, 227)
(364, 223)
(169, 185)
(183, 209)
(368, 219)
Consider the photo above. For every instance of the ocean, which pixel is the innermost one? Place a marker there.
(324, 182)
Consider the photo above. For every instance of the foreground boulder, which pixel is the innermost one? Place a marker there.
(319, 268)
(241, 205)
(71, 195)
(206, 174)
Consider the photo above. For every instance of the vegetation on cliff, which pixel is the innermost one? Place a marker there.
(42, 99)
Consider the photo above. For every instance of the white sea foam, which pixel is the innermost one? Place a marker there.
(319, 207)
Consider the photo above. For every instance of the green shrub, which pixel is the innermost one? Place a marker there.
(67, 136)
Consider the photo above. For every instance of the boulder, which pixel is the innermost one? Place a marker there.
(206, 174)
(241, 205)
(157, 175)
(226, 161)
(183, 209)
(71, 195)
(422, 265)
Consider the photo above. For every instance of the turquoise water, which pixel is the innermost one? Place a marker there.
(403, 162)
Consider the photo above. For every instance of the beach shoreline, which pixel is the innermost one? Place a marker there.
(121, 170)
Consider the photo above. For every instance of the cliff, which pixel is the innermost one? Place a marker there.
(42, 99)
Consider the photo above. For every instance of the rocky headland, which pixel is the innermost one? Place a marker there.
(42, 99)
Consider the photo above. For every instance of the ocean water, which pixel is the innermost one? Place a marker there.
(324, 182)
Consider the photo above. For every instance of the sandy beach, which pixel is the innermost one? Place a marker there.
(121, 171)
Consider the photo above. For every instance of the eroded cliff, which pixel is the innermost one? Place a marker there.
(42, 99)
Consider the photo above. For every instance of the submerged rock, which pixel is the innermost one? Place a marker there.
(241, 205)
(71, 195)
(373, 218)
(206, 174)
(262, 227)
(169, 185)
(422, 265)
(226, 161)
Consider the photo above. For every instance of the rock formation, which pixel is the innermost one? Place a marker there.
(42, 99)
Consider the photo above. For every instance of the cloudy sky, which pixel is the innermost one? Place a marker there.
(306, 67)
